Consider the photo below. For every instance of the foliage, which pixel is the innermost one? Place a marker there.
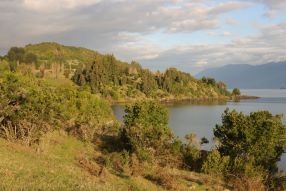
(191, 152)
(210, 81)
(16, 54)
(236, 92)
(250, 147)
(242, 137)
(134, 81)
(19, 55)
(47, 52)
(216, 164)
(30, 58)
(204, 140)
(30, 107)
(145, 131)
(112, 78)
(4, 65)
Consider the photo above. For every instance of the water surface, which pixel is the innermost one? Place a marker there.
(201, 118)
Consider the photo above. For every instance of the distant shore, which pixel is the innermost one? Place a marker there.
(188, 99)
(242, 97)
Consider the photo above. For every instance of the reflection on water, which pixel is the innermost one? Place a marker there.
(201, 118)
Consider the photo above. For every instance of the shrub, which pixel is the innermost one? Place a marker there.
(30, 107)
(252, 143)
(4, 65)
(236, 92)
(191, 152)
(145, 131)
(215, 164)
(244, 136)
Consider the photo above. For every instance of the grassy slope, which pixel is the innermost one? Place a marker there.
(54, 165)
(47, 51)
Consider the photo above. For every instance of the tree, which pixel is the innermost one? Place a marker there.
(256, 140)
(209, 81)
(31, 58)
(146, 128)
(204, 140)
(236, 92)
(16, 54)
(149, 83)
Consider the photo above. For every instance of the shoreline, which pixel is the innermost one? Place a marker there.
(200, 100)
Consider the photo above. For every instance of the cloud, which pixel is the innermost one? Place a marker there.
(56, 5)
(273, 7)
(265, 48)
(226, 33)
(273, 4)
(229, 6)
(231, 21)
(134, 46)
(124, 27)
(94, 23)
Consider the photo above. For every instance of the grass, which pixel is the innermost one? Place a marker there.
(49, 167)
(54, 165)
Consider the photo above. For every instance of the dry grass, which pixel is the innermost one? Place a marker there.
(61, 162)
(247, 184)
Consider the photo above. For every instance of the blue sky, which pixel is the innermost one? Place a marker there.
(189, 34)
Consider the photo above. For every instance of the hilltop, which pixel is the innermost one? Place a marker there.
(265, 76)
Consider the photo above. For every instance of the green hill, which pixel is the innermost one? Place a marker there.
(111, 78)
(49, 50)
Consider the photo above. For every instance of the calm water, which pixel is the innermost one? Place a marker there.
(201, 118)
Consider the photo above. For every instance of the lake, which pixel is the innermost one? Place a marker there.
(200, 118)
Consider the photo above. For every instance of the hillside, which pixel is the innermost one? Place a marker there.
(114, 79)
(57, 136)
(62, 162)
(266, 76)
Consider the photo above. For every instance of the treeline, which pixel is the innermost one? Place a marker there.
(107, 76)
(18, 55)
(110, 77)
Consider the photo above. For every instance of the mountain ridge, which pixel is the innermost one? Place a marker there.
(266, 76)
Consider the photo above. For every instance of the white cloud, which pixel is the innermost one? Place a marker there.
(135, 47)
(229, 6)
(226, 33)
(122, 26)
(265, 48)
(57, 5)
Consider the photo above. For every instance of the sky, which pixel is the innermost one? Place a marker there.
(191, 35)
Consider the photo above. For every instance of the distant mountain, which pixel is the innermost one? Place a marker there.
(271, 75)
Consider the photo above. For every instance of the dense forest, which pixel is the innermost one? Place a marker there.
(59, 135)
(112, 78)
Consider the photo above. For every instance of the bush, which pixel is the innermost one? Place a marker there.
(145, 131)
(30, 107)
(253, 143)
(216, 164)
(191, 153)
(236, 92)
(4, 66)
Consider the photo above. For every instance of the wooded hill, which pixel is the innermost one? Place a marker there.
(112, 78)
